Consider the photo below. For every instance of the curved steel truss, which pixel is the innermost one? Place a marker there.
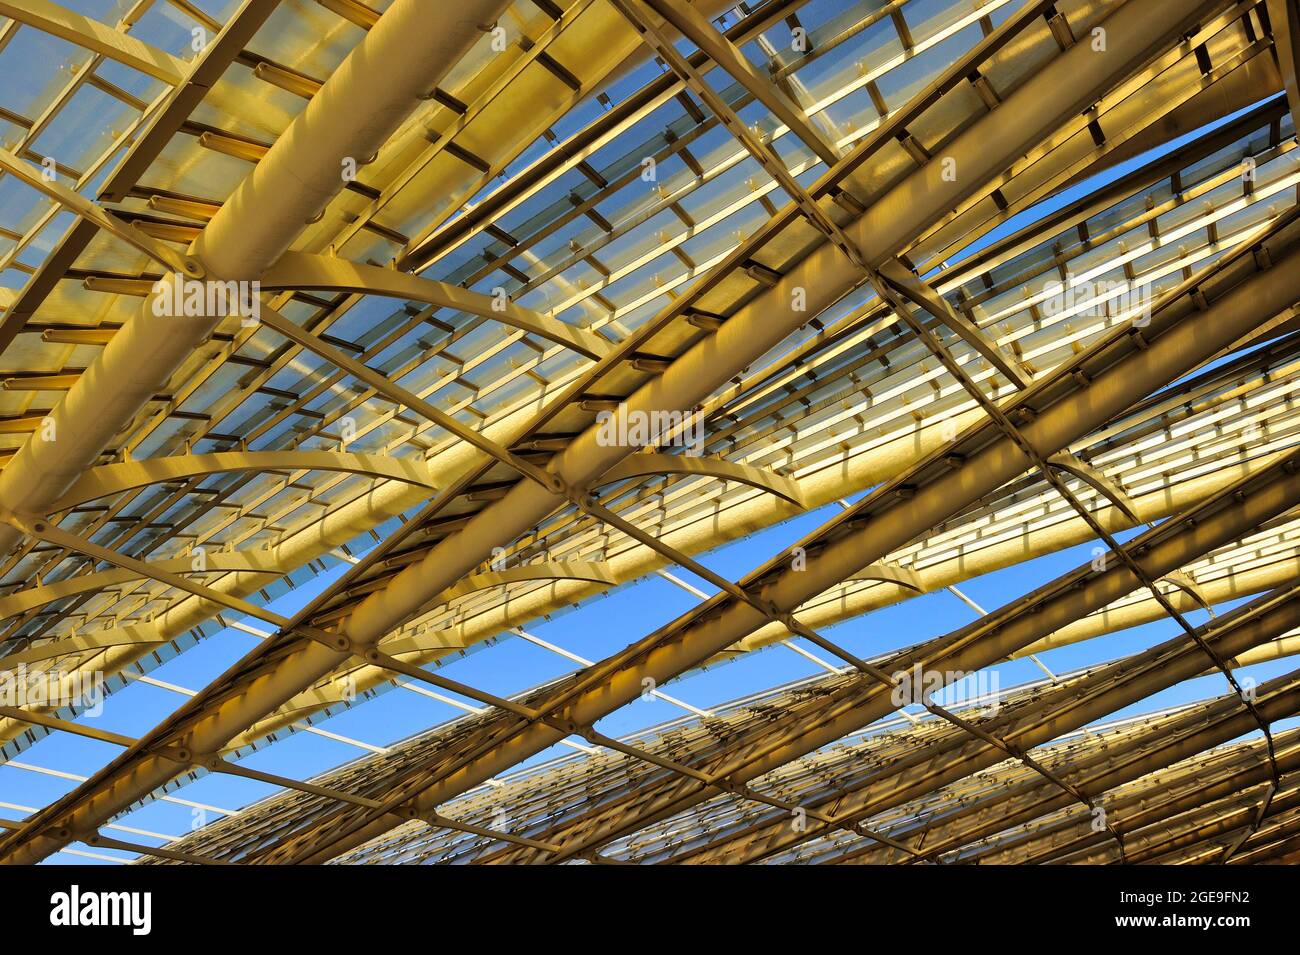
(477, 312)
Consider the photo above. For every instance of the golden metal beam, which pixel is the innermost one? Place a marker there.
(96, 37)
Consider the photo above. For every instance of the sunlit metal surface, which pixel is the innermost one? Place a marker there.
(573, 292)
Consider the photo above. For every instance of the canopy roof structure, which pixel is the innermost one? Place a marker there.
(348, 346)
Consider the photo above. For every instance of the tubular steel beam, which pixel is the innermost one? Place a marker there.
(107, 842)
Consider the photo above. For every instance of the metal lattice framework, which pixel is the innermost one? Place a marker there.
(965, 284)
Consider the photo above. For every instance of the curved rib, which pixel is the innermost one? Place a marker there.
(642, 465)
(111, 478)
(1187, 585)
(30, 598)
(98, 640)
(891, 573)
(303, 270)
(1064, 461)
(595, 571)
